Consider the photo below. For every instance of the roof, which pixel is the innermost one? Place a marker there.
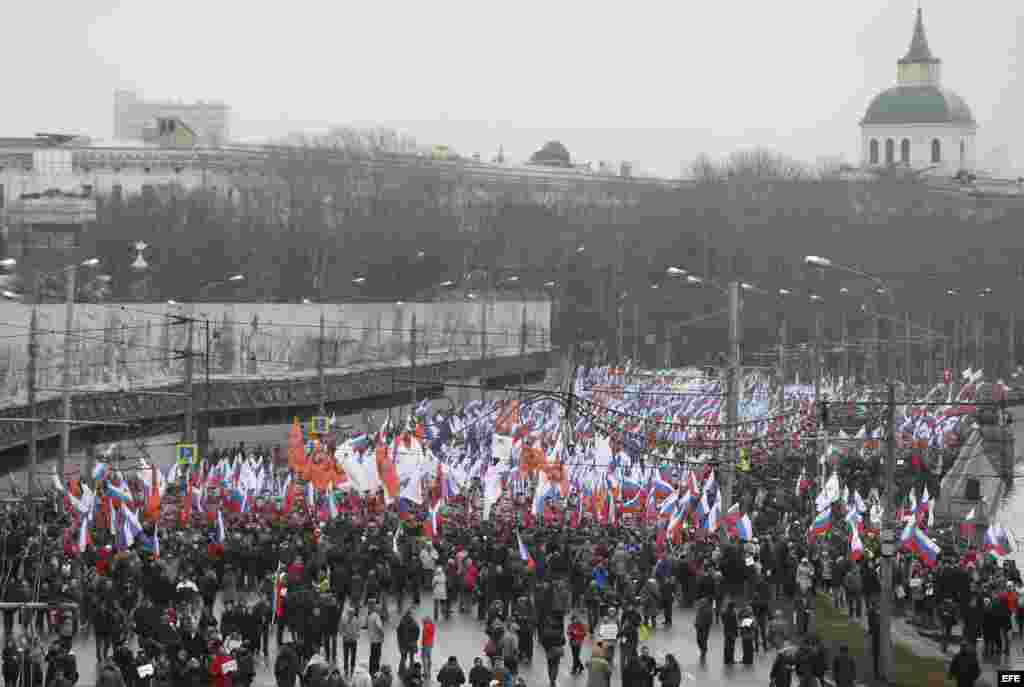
(919, 50)
(924, 104)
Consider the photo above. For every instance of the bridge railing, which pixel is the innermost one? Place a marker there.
(121, 346)
(141, 409)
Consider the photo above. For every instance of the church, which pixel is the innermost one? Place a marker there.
(917, 123)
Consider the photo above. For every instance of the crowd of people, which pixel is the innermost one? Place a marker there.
(224, 599)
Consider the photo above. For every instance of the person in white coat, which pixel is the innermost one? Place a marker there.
(428, 559)
(361, 678)
(440, 588)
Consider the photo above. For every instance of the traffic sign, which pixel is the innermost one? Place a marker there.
(187, 454)
(320, 424)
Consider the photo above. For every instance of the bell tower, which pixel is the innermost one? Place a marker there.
(919, 67)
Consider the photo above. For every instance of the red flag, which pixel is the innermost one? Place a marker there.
(185, 509)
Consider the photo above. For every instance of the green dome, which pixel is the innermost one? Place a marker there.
(918, 105)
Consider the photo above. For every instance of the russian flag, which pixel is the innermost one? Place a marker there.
(856, 546)
(84, 536)
(677, 519)
(968, 527)
(668, 506)
(524, 554)
(279, 593)
(996, 541)
(119, 492)
(926, 549)
(332, 505)
(431, 527)
(822, 523)
(731, 517)
(222, 534)
(745, 528)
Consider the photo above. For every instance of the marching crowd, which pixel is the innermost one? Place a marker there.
(192, 606)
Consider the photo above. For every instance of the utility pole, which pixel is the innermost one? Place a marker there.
(908, 364)
(636, 332)
(207, 360)
(320, 366)
(954, 358)
(33, 426)
(1011, 341)
(522, 348)
(888, 536)
(69, 323)
(874, 345)
(929, 358)
(412, 361)
(817, 370)
(728, 465)
(979, 340)
(783, 335)
(844, 334)
(620, 334)
(483, 329)
(189, 394)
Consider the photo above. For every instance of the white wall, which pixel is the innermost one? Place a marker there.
(921, 137)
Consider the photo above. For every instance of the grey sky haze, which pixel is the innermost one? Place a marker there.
(652, 82)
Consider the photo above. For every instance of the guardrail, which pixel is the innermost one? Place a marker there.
(137, 407)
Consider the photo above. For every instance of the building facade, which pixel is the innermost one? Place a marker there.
(917, 123)
(133, 116)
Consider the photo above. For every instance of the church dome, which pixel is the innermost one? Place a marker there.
(918, 104)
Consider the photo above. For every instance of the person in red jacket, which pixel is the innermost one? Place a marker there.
(427, 643)
(222, 667)
(296, 571)
(577, 633)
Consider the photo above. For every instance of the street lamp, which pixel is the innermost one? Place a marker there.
(234, 278)
(65, 432)
(889, 527)
(825, 263)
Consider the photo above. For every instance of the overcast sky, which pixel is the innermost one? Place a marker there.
(652, 82)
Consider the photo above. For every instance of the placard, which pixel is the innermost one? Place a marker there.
(187, 454)
(501, 447)
(146, 670)
(320, 424)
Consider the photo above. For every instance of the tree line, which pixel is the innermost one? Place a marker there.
(325, 228)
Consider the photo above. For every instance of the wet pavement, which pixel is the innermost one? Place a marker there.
(462, 636)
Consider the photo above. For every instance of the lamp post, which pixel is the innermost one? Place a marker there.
(69, 273)
(189, 365)
(890, 524)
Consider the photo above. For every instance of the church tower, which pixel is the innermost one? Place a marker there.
(918, 67)
(917, 123)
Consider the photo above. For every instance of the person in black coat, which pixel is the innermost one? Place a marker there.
(730, 630)
(964, 667)
(634, 672)
(451, 674)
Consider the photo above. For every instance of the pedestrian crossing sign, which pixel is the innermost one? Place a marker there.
(319, 424)
(187, 454)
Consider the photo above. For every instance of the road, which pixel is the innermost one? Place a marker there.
(463, 637)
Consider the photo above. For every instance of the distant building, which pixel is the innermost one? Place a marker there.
(209, 121)
(170, 132)
(552, 154)
(918, 123)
